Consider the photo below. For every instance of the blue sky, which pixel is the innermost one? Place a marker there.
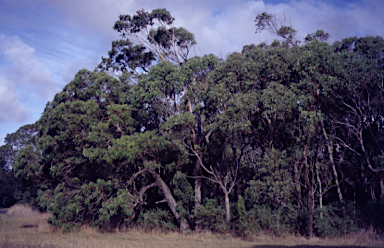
(43, 43)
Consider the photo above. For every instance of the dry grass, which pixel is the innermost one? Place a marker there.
(23, 227)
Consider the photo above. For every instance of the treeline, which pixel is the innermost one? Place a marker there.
(281, 138)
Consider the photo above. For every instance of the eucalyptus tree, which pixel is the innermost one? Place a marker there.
(155, 31)
(232, 96)
(16, 141)
(279, 26)
(189, 123)
(102, 133)
(317, 79)
(100, 158)
(8, 182)
(273, 69)
(63, 137)
(147, 37)
(271, 187)
(24, 137)
(151, 36)
(361, 74)
(319, 35)
(287, 127)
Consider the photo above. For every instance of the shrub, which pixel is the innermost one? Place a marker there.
(241, 224)
(278, 221)
(9, 187)
(157, 219)
(333, 222)
(101, 204)
(211, 216)
(373, 215)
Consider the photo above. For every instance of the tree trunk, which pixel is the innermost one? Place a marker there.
(381, 189)
(297, 183)
(309, 195)
(170, 201)
(197, 173)
(320, 190)
(297, 174)
(364, 178)
(310, 211)
(197, 166)
(227, 209)
(329, 144)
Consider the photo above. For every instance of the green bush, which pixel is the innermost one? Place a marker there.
(101, 204)
(184, 195)
(372, 213)
(277, 221)
(241, 223)
(333, 222)
(9, 186)
(211, 216)
(157, 219)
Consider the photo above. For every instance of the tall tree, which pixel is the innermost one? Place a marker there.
(147, 36)
(15, 144)
(361, 74)
(278, 26)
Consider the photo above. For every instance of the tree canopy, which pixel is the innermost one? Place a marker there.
(285, 137)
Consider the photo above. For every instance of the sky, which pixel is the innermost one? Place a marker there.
(44, 43)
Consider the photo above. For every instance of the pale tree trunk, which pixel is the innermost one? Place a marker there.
(320, 190)
(227, 209)
(329, 144)
(226, 183)
(309, 194)
(364, 177)
(297, 175)
(197, 174)
(381, 189)
(373, 195)
(196, 137)
(170, 201)
(297, 183)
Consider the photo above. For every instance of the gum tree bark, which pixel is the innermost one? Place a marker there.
(172, 204)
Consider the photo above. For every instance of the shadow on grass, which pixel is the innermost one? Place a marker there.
(26, 246)
(306, 246)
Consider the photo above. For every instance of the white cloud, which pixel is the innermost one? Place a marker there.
(73, 34)
(25, 82)
(10, 107)
(27, 74)
(368, 16)
(224, 26)
(358, 18)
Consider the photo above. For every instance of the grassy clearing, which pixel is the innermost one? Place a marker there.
(23, 227)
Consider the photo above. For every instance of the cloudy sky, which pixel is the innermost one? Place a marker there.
(43, 43)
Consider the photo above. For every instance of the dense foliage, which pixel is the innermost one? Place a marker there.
(277, 138)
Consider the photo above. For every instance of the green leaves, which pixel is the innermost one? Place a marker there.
(102, 203)
(278, 101)
(156, 34)
(180, 123)
(277, 25)
(278, 124)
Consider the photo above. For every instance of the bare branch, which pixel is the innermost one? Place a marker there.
(143, 190)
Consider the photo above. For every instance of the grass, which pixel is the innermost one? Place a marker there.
(23, 227)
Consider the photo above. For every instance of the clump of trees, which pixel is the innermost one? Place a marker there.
(279, 138)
